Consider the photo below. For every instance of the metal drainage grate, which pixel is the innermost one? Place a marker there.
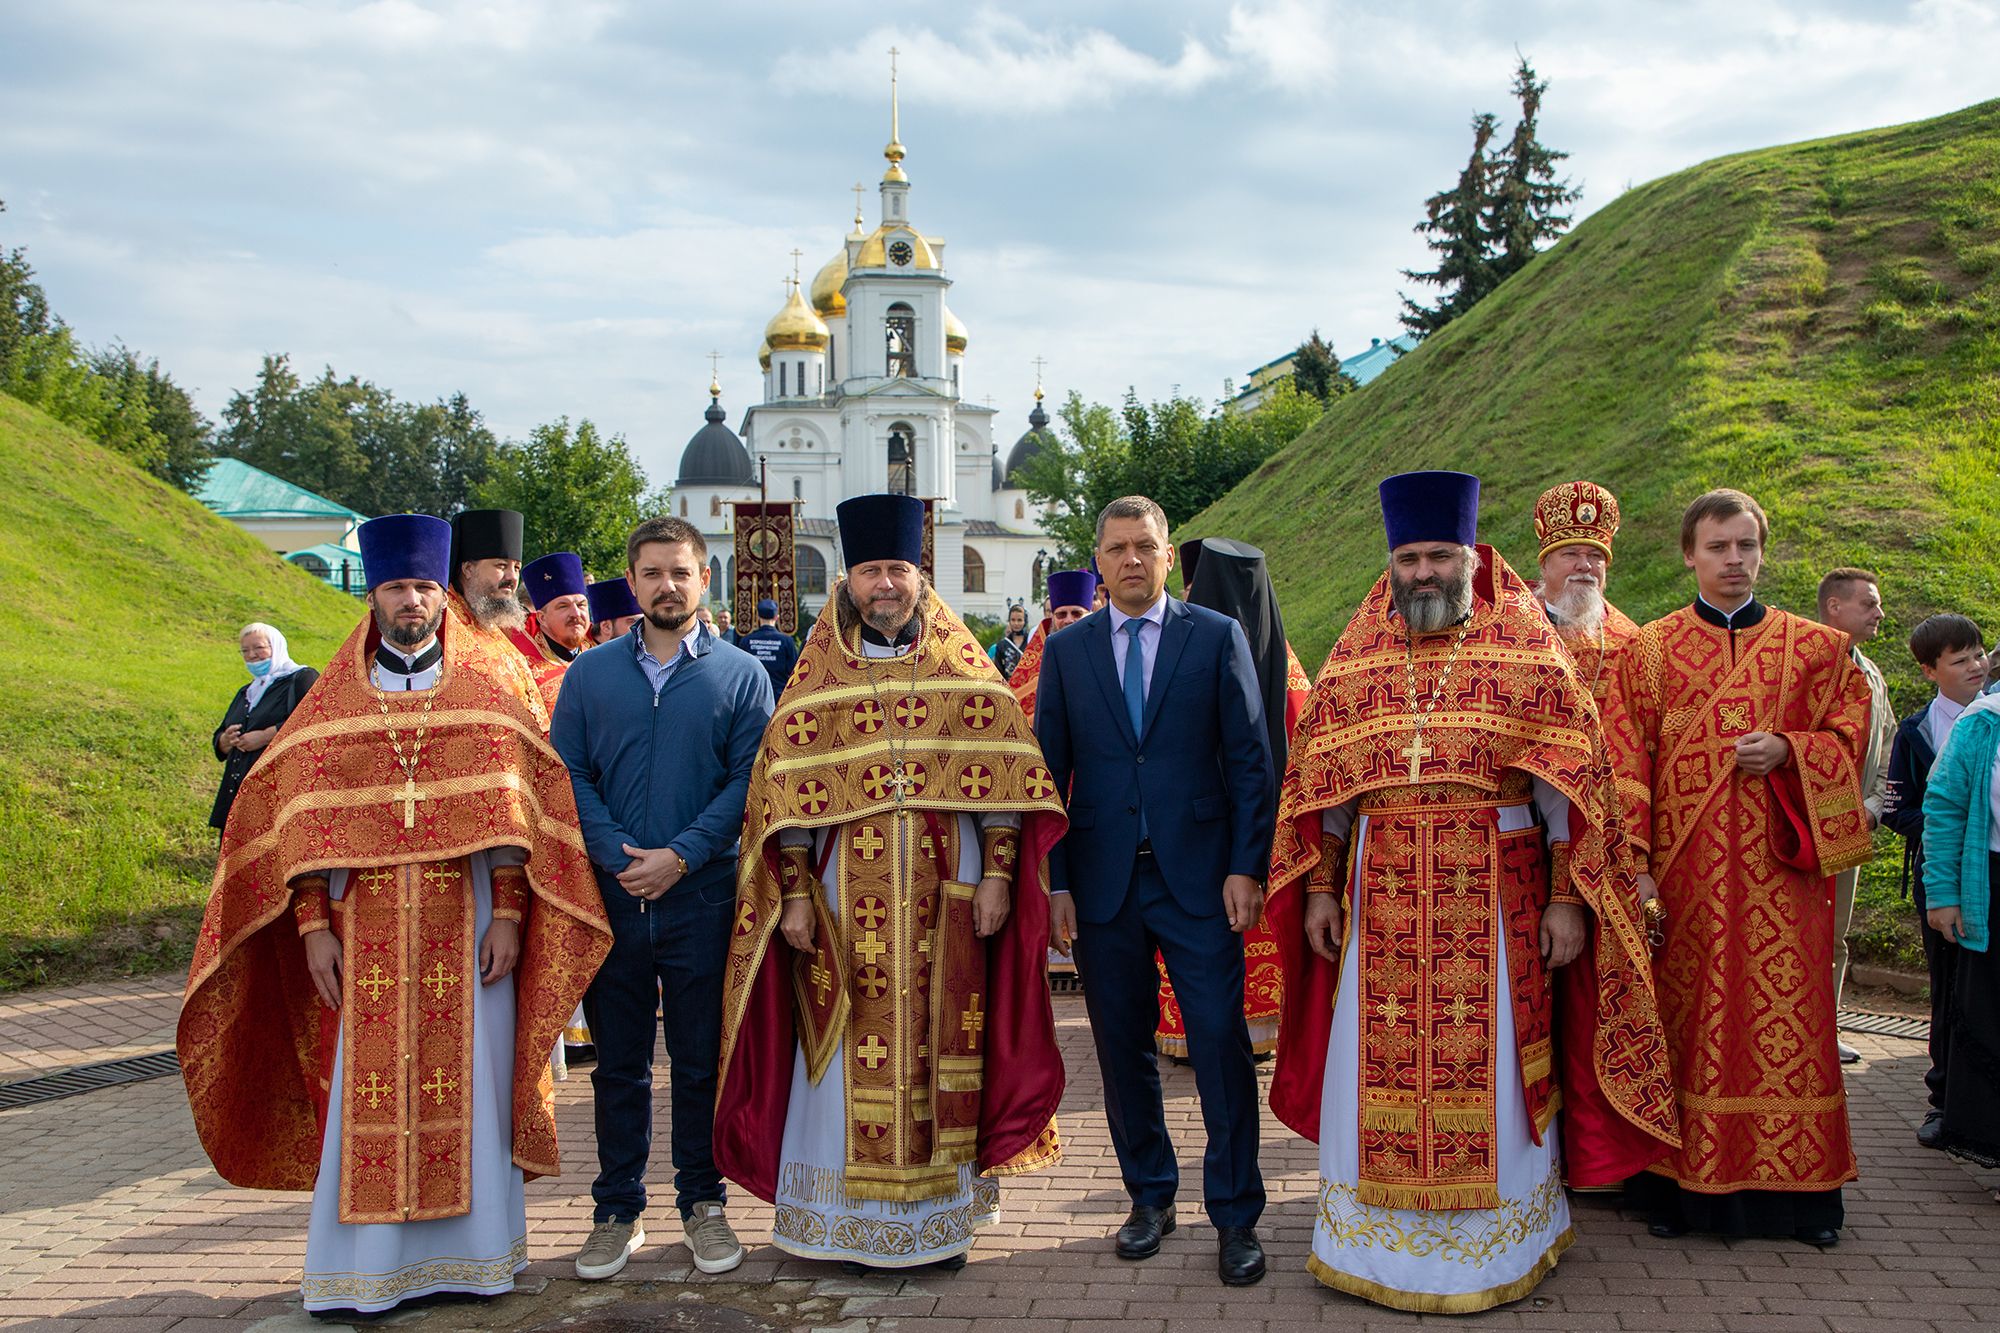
(1885, 1025)
(88, 1078)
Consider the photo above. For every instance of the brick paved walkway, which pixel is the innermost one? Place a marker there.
(111, 1220)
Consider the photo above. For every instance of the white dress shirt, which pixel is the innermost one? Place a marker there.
(1154, 624)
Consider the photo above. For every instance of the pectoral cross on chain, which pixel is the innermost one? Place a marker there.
(409, 796)
(1416, 752)
(901, 781)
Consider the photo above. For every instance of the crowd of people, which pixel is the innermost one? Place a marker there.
(1525, 897)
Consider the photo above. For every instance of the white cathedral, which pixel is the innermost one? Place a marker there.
(864, 392)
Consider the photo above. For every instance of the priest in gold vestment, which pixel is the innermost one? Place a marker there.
(1737, 730)
(888, 1045)
(1441, 850)
(402, 918)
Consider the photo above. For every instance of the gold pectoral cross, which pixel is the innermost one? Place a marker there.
(1416, 752)
(409, 796)
(901, 781)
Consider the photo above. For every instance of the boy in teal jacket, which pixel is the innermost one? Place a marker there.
(1960, 856)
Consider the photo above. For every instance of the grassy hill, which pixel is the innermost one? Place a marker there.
(123, 598)
(1817, 324)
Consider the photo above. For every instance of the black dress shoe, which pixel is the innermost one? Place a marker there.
(1140, 1237)
(950, 1264)
(1239, 1259)
(1824, 1238)
(1666, 1230)
(1930, 1134)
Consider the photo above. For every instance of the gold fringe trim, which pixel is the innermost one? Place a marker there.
(1395, 1119)
(1423, 1302)
(1428, 1198)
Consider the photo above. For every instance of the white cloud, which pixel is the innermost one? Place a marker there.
(1000, 64)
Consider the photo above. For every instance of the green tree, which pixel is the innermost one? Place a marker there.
(1316, 370)
(303, 433)
(1181, 455)
(578, 490)
(1528, 200)
(1455, 229)
(178, 440)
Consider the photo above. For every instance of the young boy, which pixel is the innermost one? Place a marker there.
(1942, 793)
(1948, 649)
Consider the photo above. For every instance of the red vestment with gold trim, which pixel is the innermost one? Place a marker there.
(922, 1010)
(257, 1045)
(1744, 865)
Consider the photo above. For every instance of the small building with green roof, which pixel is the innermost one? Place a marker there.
(284, 517)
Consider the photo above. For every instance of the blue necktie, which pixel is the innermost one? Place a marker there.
(1135, 691)
(1135, 677)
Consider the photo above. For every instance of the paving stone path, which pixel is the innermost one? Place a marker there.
(110, 1220)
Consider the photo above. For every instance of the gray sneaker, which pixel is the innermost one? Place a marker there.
(709, 1239)
(609, 1246)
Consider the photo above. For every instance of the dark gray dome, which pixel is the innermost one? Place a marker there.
(715, 457)
(1028, 446)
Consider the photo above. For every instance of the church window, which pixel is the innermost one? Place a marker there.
(684, 506)
(975, 571)
(830, 357)
(811, 570)
(1020, 509)
(715, 506)
(715, 575)
(784, 381)
(902, 459)
(798, 488)
(900, 336)
(819, 381)
(954, 381)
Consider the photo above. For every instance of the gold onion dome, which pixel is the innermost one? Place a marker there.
(827, 302)
(955, 335)
(764, 354)
(796, 326)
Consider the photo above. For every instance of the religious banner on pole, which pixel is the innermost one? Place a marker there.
(764, 563)
(930, 541)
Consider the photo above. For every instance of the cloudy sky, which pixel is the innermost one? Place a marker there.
(560, 206)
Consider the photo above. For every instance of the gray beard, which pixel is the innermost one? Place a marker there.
(1432, 611)
(500, 610)
(1580, 608)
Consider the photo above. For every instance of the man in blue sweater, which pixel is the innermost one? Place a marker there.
(659, 728)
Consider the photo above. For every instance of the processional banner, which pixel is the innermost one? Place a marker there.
(765, 554)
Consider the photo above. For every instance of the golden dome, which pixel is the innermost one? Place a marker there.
(875, 250)
(796, 326)
(827, 301)
(954, 333)
(764, 355)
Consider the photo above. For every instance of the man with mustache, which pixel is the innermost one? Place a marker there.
(1738, 733)
(659, 730)
(613, 608)
(401, 921)
(888, 1045)
(1574, 525)
(1443, 848)
(485, 586)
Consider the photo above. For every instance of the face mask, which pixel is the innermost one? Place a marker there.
(259, 669)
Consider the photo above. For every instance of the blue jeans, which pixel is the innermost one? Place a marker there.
(668, 960)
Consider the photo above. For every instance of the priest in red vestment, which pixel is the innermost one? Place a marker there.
(1575, 524)
(402, 918)
(485, 596)
(888, 1045)
(1737, 730)
(559, 626)
(1441, 850)
(1071, 592)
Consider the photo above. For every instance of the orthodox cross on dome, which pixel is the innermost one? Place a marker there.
(1038, 364)
(859, 190)
(714, 374)
(797, 254)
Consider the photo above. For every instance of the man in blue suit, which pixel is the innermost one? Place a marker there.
(1150, 718)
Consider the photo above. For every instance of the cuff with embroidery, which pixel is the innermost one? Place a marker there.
(1332, 857)
(1002, 852)
(1562, 889)
(311, 908)
(510, 893)
(795, 876)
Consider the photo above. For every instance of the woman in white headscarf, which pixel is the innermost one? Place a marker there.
(277, 683)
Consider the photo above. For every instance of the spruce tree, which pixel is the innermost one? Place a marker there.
(1316, 370)
(1455, 228)
(1528, 199)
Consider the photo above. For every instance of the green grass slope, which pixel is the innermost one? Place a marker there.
(123, 598)
(1817, 324)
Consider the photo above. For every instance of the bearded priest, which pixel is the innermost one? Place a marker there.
(1070, 594)
(888, 1045)
(1738, 732)
(402, 918)
(1441, 850)
(485, 596)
